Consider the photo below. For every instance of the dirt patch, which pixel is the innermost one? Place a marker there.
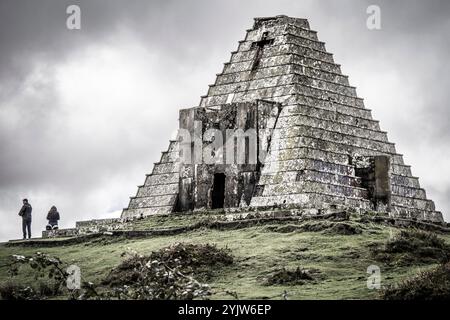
(413, 246)
(428, 285)
(285, 276)
(283, 228)
(344, 229)
(316, 226)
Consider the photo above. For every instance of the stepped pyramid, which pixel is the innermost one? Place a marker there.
(325, 149)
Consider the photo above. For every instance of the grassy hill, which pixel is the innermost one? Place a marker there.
(334, 252)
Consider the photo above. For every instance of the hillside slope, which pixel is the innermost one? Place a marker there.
(335, 251)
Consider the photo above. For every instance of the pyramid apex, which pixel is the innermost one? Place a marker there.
(279, 20)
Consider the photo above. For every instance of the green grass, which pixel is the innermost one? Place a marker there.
(341, 259)
(175, 220)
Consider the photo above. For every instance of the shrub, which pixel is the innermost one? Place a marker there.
(49, 275)
(413, 246)
(168, 273)
(428, 285)
(13, 291)
(197, 259)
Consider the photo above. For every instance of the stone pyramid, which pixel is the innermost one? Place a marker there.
(325, 150)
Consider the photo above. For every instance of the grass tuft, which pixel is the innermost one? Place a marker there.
(428, 285)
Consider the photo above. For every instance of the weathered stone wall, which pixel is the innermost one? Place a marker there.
(88, 227)
(197, 179)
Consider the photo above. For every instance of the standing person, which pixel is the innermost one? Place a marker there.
(25, 213)
(52, 217)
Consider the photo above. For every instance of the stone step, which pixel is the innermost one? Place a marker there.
(288, 89)
(302, 32)
(283, 44)
(265, 94)
(297, 45)
(329, 146)
(289, 126)
(265, 62)
(168, 167)
(303, 47)
(301, 99)
(408, 192)
(153, 201)
(304, 152)
(309, 175)
(59, 233)
(262, 23)
(421, 204)
(317, 73)
(252, 85)
(341, 98)
(314, 186)
(261, 73)
(401, 170)
(337, 155)
(132, 213)
(96, 222)
(169, 156)
(412, 182)
(173, 146)
(161, 189)
(290, 99)
(279, 56)
(311, 200)
(329, 86)
(255, 35)
(271, 81)
(330, 115)
(306, 136)
(163, 178)
(414, 213)
(302, 95)
(279, 20)
(327, 177)
(307, 163)
(314, 63)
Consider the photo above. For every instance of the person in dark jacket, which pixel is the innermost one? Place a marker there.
(25, 213)
(52, 217)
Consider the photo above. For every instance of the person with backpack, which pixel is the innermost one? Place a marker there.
(53, 218)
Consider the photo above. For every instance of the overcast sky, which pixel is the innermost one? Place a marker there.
(85, 113)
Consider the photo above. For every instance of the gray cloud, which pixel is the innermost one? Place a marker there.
(83, 114)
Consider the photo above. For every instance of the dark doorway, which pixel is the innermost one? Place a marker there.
(218, 191)
(375, 178)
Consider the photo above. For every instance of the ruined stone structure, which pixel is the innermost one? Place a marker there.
(324, 150)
